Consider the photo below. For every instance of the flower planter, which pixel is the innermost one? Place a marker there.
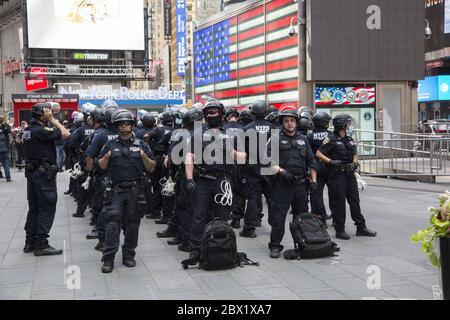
(444, 247)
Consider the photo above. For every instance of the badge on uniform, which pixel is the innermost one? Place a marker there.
(327, 140)
(49, 129)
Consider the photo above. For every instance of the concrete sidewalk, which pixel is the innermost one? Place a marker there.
(395, 209)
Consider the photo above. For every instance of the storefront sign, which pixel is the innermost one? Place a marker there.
(181, 36)
(327, 95)
(40, 82)
(11, 65)
(90, 56)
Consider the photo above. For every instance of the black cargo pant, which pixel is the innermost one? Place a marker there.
(344, 187)
(123, 210)
(317, 204)
(183, 209)
(253, 189)
(202, 202)
(284, 197)
(83, 195)
(42, 197)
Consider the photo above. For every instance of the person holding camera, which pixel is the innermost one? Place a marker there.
(18, 139)
(40, 159)
(5, 130)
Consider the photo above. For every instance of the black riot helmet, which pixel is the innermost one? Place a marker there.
(122, 115)
(97, 115)
(213, 104)
(260, 109)
(190, 117)
(148, 120)
(288, 113)
(306, 111)
(231, 112)
(341, 121)
(167, 118)
(87, 108)
(246, 116)
(272, 117)
(108, 114)
(304, 124)
(321, 120)
(37, 110)
(109, 103)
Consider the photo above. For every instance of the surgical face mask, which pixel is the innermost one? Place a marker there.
(349, 130)
(178, 121)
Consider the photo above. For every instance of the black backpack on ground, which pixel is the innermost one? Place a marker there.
(219, 248)
(311, 239)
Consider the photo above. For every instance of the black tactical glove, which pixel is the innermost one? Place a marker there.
(335, 163)
(314, 186)
(353, 167)
(288, 178)
(191, 187)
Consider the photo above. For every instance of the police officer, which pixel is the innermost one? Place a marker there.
(98, 141)
(81, 134)
(338, 151)
(209, 184)
(320, 132)
(160, 151)
(272, 117)
(254, 180)
(5, 130)
(127, 161)
(148, 125)
(232, 124)
(289, 188)
(180, 223)
(41, 170)
(71, 154)
(305, 120)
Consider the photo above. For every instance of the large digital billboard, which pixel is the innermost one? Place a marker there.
(365, 40)
(249, 56)
(86, 24)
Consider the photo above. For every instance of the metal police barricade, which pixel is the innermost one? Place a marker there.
(405, 155)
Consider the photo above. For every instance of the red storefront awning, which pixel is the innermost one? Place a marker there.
(68, 102)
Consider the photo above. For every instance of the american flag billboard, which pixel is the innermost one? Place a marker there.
(249, 56)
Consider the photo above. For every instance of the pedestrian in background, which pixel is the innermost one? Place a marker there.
(5, 130)
(17, 134)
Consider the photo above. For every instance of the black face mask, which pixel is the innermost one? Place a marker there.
(214, 122)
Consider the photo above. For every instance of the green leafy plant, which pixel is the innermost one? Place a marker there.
(439, 227)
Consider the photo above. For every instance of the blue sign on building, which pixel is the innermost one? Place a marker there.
(180, 13)
(444, 88)
(428, 89)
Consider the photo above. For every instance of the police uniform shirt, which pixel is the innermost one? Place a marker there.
(295, 153)
(39, 142)
(99, 141)
(162, 146)
(213, 140)
(125, 163)
(316, 138)
(263, 129)
(337, 148)
(79, 135)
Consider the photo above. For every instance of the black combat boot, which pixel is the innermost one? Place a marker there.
(193, 259)
(341, 234)
(100, 246)
(29, 247)
(168, 233)
(108, 266)
(164, 220)
(174, 242)
(236, 223)
(365, 232)
(47, 250)
(248, 233)
(183, 247)
(129, 262)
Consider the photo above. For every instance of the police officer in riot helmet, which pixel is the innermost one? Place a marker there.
(254, 179)
(272, 116)
(246, 116)
(210, 176)
(289, 190)
(305, 124)
(338, 151)
(231, 116)
(100, 138)
(320, 132)
(41, 170)
(74, 143)
(127, 161)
